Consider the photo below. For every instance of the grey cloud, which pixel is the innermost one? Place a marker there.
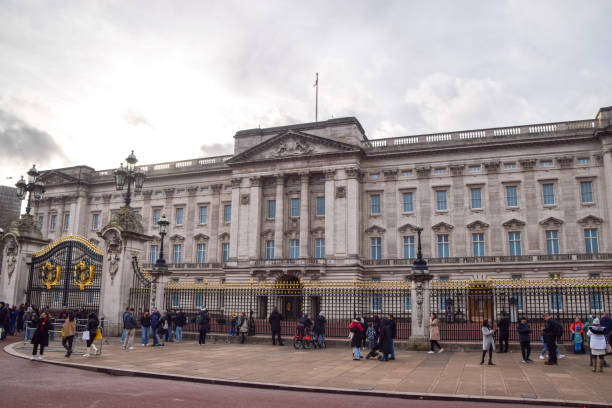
(135, 118)
(216, 149)
(26, 144)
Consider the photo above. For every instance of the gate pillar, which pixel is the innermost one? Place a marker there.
(123, 238)
(419, 293)
(20, 242)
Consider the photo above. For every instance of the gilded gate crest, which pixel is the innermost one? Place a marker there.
(83, 276)
(50, 274)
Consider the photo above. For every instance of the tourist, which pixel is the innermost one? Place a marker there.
(244, 327)
(92, 330)
(356, 331)
(169, 322)
(20, 317)
(275, 326)
(68, 332)
(393, 327)
(576, 329)
(27, 321)
(125, 314)
(545, 350)
(319, 329)
(434, 334)
(488, 343)
(606, 323)
(385, 341)
(372, 337)
(145, 326)
(203, 320)
(524, 332)
(155, 322)
(303, 324)
(41, 335)
(130, 324)
(362, 321)
(503, 326)
(598, 344)
(180, 321)
(234, 325)
(13, 321)
(5, 320)
(164, 327)
(551, 332)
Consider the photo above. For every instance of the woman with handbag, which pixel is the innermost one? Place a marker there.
(68, 332)
(90, 334)
(488, 343)
(41, 335)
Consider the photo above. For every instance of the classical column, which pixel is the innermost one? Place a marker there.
(235, 219)
(607, 198)
(147, 216)
(304, 217)
(190, 223)
(353, 215)
(279, 218)
(390, 214)
(330, 208)
(213, 253)
(80, 224)
(530, 189)
(420, 279)
(254, 220)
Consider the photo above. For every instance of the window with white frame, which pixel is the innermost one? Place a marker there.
(584, 160)
(441, 203)
(375, 248)
(478, 244)
(203, 214)
(512, 196)
(408, 303)
(375, 204)
(66, 222)
(409, 247)
(548, 193)
(52, 222)
(320, 206)
(591, 241)
(408, 201)
(474, 168)
(156, 216)
(95, 222)
(270, 249)
(443, 249)
(407, 173)
(440, 170)
(294, 248)
(377, 299)
(227, 213)
(41, 222)
(319, 248)
(595, 299)
(476, 198)
(552, 242)
(514, 243)
(546, 163)
(201, 253)
(586, 192)
(443, 298)
(517, 295)
(179, 216)
(271, 209)
(225, 251)
(509, 166)
(177, 253)
(154, 253)
(295, 207)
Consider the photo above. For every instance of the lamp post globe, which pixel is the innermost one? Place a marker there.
(163, 230)
(33, 187)
(129, 175)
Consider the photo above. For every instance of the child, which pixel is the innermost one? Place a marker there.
(578, 343)
(372, 337)
(233, 325)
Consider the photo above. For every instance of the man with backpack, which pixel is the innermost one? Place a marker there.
(552, 331)
(203, 321)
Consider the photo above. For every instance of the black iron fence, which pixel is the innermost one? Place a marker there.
(339, 302)
(462, 306)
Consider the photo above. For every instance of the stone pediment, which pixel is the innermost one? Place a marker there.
(201, 237)
(375, 230)
(290, 145)
(177, 237)
(551, 221)
(477, 225)
(513, 224)
(408, 228)
(442, 227)
(590, 220)
(55, 177)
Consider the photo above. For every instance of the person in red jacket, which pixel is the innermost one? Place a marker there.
(356, 333)
(576, 328)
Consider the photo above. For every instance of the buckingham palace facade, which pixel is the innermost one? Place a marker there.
(321, 201)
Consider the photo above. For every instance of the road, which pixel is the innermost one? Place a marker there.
(34, 384)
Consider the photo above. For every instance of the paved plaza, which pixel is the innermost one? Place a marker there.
(454, 373)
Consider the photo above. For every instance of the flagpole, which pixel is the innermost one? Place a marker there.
(317, 98)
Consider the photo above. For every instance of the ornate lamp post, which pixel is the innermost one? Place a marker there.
(33, 186)
(128, 175)
(163, 230)
(419, 293)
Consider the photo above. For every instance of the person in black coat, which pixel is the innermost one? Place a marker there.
(393, 327)
(203, 320)
(503, 326)
(549, 334)
(41, 335)
(319, 329)
(275, 326)
(524, 332)
(92, 328)
(385, 340)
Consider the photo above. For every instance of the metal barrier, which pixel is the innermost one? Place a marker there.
(55, 336)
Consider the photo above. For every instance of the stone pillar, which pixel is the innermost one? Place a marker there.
(353, 215)
(191, 220)
(390, 214)
(235, 221)
(607, 197)
(213, 250)
(330, 207)
(304, 217)
(78, 210)
(23, 239)
(161, 277)
(123, 238)
(420, 279)
(254, 221)
(279, 218)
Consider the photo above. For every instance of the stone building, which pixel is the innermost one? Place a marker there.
(321, 201)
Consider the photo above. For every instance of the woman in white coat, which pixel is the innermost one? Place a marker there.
(488, 343)
(597, 342)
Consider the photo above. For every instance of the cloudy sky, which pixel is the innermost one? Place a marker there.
(84, 82)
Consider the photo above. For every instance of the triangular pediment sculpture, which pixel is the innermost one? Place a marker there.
(551, 221)
(408, 228)
(292, 144)
(442, 227)
(590, 220)
(513, 224)
(54, 177)
(477, 225)
(375, 229)
(201, 237)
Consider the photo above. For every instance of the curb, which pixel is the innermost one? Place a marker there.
(284, 387)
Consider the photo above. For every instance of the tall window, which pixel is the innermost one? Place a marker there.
(177, 253)
(409, 247)
(66, 222)
(319, 248)
(271, 209)
(443, 251)
(225, 249)
(320, 206)
(95, 222)
(548, 192)
(590, 241)
(203, 215)
(156, 216)
(375, 204)
(154, 253)
(376, 300)
(270, 249)
(552, 242)
(375, 248)
(53, 222)
(586, 192)
(512, 196)
(478, 244)
(294, 248)
(476, 198)
(227, 213)
(595, 297)
(179, 216)
(514, 242)
(441, 204)
(201, 253)
(41, 222)
(295, 207)
(408, 202)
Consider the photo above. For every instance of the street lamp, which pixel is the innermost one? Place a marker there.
(129, 174)
(33, 186)
(163, 230)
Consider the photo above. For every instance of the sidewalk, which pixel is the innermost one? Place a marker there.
(447, 373)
